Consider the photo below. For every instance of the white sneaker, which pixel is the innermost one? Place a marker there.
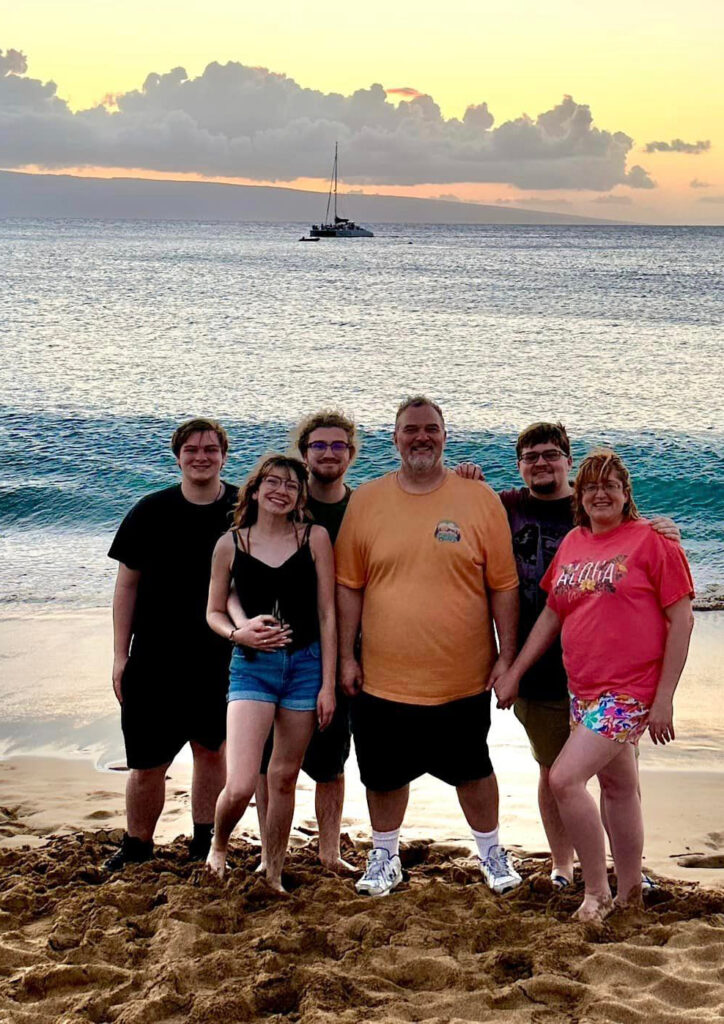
(498, 871)
(382, 875)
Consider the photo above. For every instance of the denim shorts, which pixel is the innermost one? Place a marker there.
(288, 679)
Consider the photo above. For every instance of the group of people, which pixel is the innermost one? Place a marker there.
(263, 625)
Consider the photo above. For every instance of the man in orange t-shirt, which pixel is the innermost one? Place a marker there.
(425, 566)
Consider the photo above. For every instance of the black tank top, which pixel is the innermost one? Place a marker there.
(289, 591)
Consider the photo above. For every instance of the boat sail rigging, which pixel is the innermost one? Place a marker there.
(338, 227)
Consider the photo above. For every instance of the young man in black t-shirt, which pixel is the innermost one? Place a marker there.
(170, 671)
(327, 442)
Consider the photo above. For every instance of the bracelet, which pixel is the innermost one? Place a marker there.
(231, 634)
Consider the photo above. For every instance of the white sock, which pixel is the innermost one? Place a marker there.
(389, 841)
(485, 841)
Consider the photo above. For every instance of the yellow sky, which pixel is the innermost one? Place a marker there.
(649, 68)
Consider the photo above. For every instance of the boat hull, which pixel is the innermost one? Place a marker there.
(337, 232)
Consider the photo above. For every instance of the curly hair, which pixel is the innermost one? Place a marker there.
(246, 510)
(326, 418)
(599, 465)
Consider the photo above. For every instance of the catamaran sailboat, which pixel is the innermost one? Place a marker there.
(339, 227)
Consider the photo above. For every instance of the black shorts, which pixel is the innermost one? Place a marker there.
(397, 743)
(328, 751)
(166, 705)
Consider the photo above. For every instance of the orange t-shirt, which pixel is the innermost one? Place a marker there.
(426, 562)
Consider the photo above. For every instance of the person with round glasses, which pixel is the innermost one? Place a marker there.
(285, 648)
(619, 595)
(327, 442)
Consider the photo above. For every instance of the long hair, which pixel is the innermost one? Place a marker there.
(246, 510)
(599, 465)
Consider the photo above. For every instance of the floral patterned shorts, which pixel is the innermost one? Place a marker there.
(615, 716)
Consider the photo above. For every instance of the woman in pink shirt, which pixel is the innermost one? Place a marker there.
(620, 594)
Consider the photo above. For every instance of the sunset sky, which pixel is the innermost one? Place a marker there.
(612, 110)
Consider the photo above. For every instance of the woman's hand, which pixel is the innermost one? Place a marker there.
(326, 704)
(505, 684)
(661, 720)
(263, 633)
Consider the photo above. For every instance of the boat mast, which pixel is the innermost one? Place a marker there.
(332, 189)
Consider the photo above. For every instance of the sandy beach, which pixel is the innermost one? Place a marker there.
(163, 943)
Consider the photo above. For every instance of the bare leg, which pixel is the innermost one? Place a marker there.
(584, 755)
(621, 797)
(479, 801)
(562, 852)
(248, 723)
(207, 781)
(262, 807)
(145, 795)
(328, 803)
(387, 809)
(292, 733)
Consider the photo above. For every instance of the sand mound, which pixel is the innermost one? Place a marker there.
(162, 942)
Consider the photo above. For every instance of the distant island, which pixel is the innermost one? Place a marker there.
(66, 196)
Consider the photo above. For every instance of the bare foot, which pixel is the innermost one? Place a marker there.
(338, 866)
(632, 900)
(275, 884)
(216, 862)
(594, 908)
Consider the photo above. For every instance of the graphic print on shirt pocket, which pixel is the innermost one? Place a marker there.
(448, 531)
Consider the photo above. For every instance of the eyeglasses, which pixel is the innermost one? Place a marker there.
(275, 483)
(336, 447)
(549, 455)
(610, 486)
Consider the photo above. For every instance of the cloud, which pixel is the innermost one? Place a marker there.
(613, 200)
(695, 183)
(239, 121)
(711, 199)
(12, 61)
(678, 146)
(637, 177)
(405, 91)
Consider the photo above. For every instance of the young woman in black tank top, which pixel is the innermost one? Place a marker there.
(285, 648)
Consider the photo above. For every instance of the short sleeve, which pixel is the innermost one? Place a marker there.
(669, 570)
(350, 563)
(128, 544)
(500, 570)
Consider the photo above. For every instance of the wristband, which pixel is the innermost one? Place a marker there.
(231, 634)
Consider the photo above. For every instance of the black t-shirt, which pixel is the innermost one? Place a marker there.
(329, 514)
(170, 541)
(538, 527)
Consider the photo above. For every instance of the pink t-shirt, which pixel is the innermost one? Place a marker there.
(609, 590)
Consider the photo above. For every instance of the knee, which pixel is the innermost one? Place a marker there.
(560, 782)
(148, 778)
(283, 779)
(617, 788)
(239, 791)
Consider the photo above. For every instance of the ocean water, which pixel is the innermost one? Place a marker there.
(113, 332)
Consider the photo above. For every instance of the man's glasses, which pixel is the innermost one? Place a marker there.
(336, 447)
(276, 483)
(550, 455)
(610, 486)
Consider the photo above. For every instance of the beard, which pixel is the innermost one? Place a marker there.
(543, 487)
(328, 472)
(422, 461)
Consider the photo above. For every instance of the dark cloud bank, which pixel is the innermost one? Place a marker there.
(241, 121)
